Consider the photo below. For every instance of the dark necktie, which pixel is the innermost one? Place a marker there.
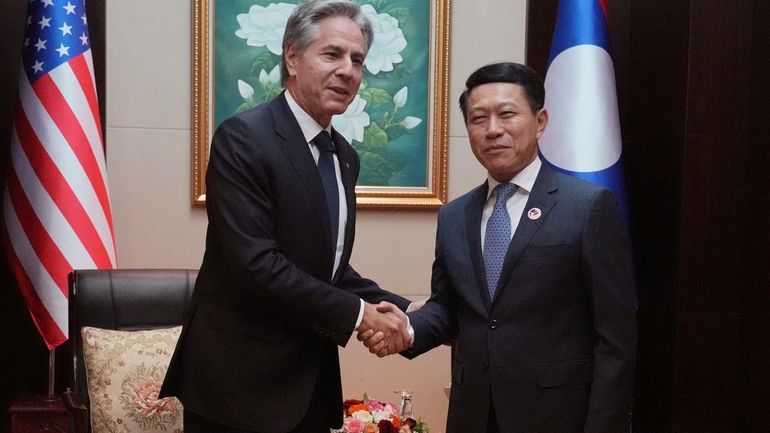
(497, 236)
(329, 178)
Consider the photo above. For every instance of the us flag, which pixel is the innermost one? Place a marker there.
(56, 208)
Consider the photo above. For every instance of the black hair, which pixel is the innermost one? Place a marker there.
(506, 72)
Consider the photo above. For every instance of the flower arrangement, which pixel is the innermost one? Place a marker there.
(372, 416)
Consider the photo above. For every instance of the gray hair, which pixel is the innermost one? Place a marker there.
(302, 27)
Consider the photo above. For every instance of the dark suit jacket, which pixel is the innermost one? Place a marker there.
(555, 348)
(267, 315)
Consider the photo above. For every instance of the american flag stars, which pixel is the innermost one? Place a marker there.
(56, 32)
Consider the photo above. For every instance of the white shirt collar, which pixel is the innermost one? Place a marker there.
(310, 128)
(525, 179)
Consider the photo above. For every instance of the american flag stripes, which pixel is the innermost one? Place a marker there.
(56, 208)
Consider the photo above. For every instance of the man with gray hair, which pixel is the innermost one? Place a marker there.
(275, 295)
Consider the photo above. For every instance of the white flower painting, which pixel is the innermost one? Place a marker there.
(388, 42)
(264, 26)
(384, 123)
(352, 122)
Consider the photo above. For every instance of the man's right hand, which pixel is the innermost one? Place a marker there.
(383, 329)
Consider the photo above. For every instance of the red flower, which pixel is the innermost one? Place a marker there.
(386, 426)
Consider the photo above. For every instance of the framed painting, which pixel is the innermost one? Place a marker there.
(397, 123)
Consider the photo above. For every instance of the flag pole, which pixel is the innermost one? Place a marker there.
(51, 373)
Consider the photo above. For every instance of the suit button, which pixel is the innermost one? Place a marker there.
(493, 324)
(485, 366)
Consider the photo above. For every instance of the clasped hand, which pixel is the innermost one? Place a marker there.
(384, 329)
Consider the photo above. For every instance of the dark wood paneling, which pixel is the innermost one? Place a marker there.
(708, 363)
(719, 64)
(760, 65)
(96, 26)
(654, 393)
(713, 223)
(541, 16)
(656, 87)
(654, 180)
(654, 176)
(10, 47)
(754, 378)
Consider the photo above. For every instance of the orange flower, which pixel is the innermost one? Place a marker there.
(371, 428)
(396, 421)
(356, 408)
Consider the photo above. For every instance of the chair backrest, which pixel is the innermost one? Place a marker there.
(126, 300)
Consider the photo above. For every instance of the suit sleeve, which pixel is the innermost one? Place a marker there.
(608, 270)
(240, 210)
(436, 322)
(368, 290)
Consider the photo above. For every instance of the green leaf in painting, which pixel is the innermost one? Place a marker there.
(400, 71)
(396, 131)
(375, 137)
(245, 106)
(275, 91)
(375, 97)
(263, 61)
(375, 169)
(397, 161)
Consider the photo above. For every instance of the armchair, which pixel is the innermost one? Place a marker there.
(122, 300)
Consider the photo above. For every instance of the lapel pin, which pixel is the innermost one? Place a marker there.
(534, 214)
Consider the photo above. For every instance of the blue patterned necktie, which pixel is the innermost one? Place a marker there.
(329, 179)
(497, 236)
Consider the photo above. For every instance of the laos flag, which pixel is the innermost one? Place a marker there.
(583, 134)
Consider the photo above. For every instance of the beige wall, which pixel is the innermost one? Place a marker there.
(148, 158)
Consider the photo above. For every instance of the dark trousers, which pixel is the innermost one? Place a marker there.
(316, 420)
(196, 424)
(492, 426)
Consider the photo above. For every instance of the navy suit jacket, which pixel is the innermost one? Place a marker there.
(267, 315)
(554, 349)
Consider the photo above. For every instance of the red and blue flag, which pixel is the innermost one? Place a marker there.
(583, 134)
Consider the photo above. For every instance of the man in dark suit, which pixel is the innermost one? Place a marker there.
(532, 279)
(275, 295)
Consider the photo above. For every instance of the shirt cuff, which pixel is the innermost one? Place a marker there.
(360, 315)
(410, 330)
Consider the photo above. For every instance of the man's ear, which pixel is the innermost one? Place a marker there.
(290, 59)
(542, 121)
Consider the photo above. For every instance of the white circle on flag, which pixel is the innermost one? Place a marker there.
(583, 132)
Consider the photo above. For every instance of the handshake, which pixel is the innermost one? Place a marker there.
(384, 329)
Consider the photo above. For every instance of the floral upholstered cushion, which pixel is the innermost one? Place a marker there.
(125, 370)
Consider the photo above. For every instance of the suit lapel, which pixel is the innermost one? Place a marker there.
(542, 197)
(349, 171)
(298, 153)
(473, 211)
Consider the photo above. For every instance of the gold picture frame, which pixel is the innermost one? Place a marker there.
(431, 194)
